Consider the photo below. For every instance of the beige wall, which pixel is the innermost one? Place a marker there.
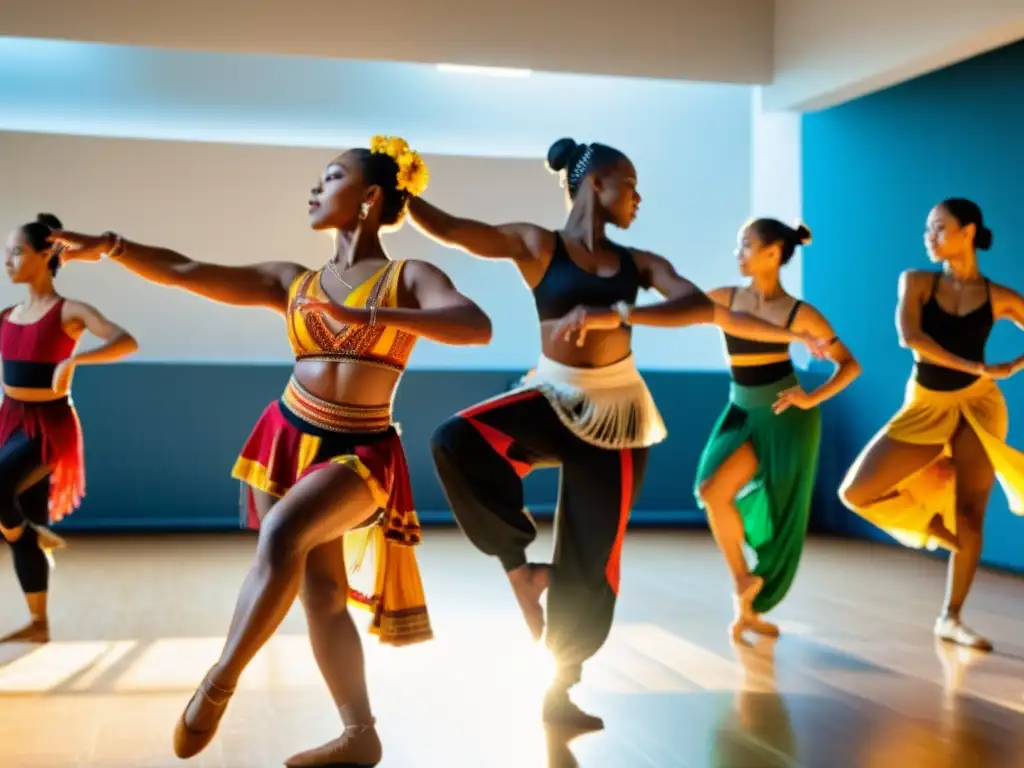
(237, 204)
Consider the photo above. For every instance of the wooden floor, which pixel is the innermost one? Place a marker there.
(855, 680)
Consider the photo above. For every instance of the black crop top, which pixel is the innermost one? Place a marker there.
(737, 346)
(565, 286)
(962, 335)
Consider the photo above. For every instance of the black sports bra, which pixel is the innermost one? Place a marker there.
(962, 335)
(565, 286)
(738, 346)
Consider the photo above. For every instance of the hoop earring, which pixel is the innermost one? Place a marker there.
(364, 211)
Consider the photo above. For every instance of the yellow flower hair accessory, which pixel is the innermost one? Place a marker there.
(413, 175)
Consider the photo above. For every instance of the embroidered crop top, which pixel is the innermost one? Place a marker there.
(312, 339)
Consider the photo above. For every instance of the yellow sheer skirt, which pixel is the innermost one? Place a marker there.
(929, 417)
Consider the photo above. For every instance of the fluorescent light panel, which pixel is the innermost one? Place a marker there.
(470, 69)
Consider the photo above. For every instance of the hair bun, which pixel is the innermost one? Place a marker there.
(560, 154)
(49, 220)
(802, 234)
(983, 238)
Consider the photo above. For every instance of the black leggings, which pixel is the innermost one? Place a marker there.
(483, 453)
(20, 456)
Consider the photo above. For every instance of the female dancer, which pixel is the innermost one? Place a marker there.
(324, 460)
(756, 474)
(926, 477)
(42, 471)
(585, 407)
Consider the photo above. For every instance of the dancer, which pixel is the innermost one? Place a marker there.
(324, 460)
(585, 406)
(756, 474)
(926, 477)
(42, 469)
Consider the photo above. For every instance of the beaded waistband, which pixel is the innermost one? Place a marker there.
(335, 417)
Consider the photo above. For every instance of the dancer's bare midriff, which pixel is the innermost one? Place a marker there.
(349, 382)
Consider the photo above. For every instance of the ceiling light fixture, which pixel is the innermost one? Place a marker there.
(470, 69)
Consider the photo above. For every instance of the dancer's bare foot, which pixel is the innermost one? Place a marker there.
(528, 583)
(198, 723)
(747, 588)
(755, 623)
(942, 535)
(358, 745)
(36, 631)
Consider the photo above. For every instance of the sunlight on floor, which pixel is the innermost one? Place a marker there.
(177, 664)
(670, 688)
(51, 666)
(639, 657)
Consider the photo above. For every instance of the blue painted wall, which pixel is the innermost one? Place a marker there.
(872, 170)
(160, 440)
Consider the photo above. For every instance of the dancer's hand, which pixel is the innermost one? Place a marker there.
(584, 319)
(1000, 370)
(794, 396)
(337, 312)
(816, 346)
(62, 376)
(74, 246)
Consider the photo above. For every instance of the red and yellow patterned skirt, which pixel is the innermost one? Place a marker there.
(55, 423)
(300, 434)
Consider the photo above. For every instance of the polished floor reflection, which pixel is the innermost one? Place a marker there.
(856, 679)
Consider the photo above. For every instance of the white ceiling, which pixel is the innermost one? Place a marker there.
(719, 40)
(830, 51)
(49, 86)
(807, 54)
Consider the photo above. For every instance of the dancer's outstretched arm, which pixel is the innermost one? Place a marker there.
(810, 321)
(431, 308)
(685, 304)
(517, 241)
(256, 285)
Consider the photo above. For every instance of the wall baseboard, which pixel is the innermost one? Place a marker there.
(160, 441)
(640, 518)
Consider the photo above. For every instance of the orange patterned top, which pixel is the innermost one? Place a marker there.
(312, 339)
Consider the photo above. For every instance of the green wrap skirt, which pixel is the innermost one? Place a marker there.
(775, 505)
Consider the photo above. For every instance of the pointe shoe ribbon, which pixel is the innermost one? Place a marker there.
(189, 742)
